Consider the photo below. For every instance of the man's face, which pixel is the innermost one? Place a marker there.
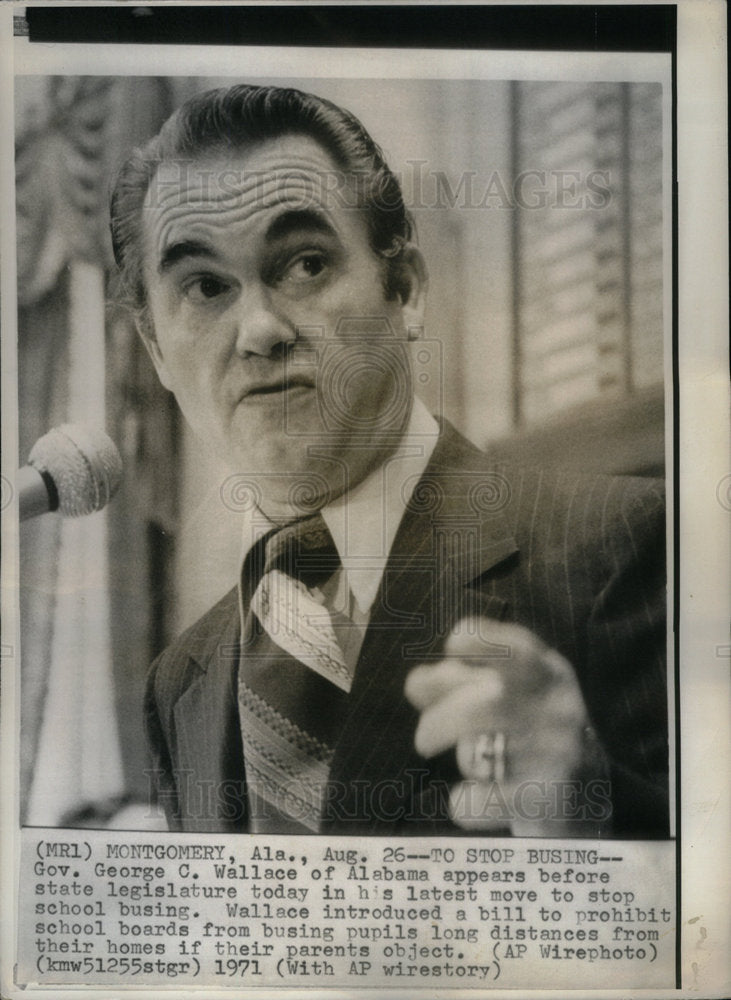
(270, 322)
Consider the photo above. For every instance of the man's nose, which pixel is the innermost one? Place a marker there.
(260, 327)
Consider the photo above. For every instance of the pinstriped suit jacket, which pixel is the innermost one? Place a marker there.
(579, 560)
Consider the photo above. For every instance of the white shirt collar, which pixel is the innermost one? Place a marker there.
(364, 521)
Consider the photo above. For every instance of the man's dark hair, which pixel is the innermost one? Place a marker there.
(228, 119)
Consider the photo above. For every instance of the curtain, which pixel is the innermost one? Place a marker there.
(90, 616)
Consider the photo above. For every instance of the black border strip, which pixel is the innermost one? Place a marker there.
(676, 512)
(612, 28)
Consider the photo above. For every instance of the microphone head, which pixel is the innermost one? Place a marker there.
(83, 463)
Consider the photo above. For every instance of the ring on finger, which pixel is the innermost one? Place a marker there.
(489, 756)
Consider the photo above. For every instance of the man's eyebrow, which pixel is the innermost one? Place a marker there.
(297, 219)
(178, 251)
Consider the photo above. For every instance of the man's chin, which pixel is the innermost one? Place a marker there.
(287, 487)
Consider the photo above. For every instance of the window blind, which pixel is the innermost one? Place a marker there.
(587, 243)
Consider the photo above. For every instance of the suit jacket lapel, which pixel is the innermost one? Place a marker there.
(451, 534)
(211, 780)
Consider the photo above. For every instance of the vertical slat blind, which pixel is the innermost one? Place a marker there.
(589, 264)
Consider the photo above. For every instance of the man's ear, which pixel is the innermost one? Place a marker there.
(146, 330)
(412, 283)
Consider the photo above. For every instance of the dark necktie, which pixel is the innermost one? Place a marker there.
(293, 679)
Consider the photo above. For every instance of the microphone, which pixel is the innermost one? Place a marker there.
(73, 469)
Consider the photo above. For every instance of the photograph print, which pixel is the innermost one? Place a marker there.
(369, 378)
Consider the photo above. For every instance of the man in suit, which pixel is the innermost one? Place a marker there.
(418, 642)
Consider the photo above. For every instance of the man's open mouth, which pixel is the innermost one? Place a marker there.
(273, 388)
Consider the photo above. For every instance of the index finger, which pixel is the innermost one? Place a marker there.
(430, 682)
(521, 657)
(483, 638)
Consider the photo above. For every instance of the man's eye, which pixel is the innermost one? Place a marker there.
(205, 288)
(306, 267)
